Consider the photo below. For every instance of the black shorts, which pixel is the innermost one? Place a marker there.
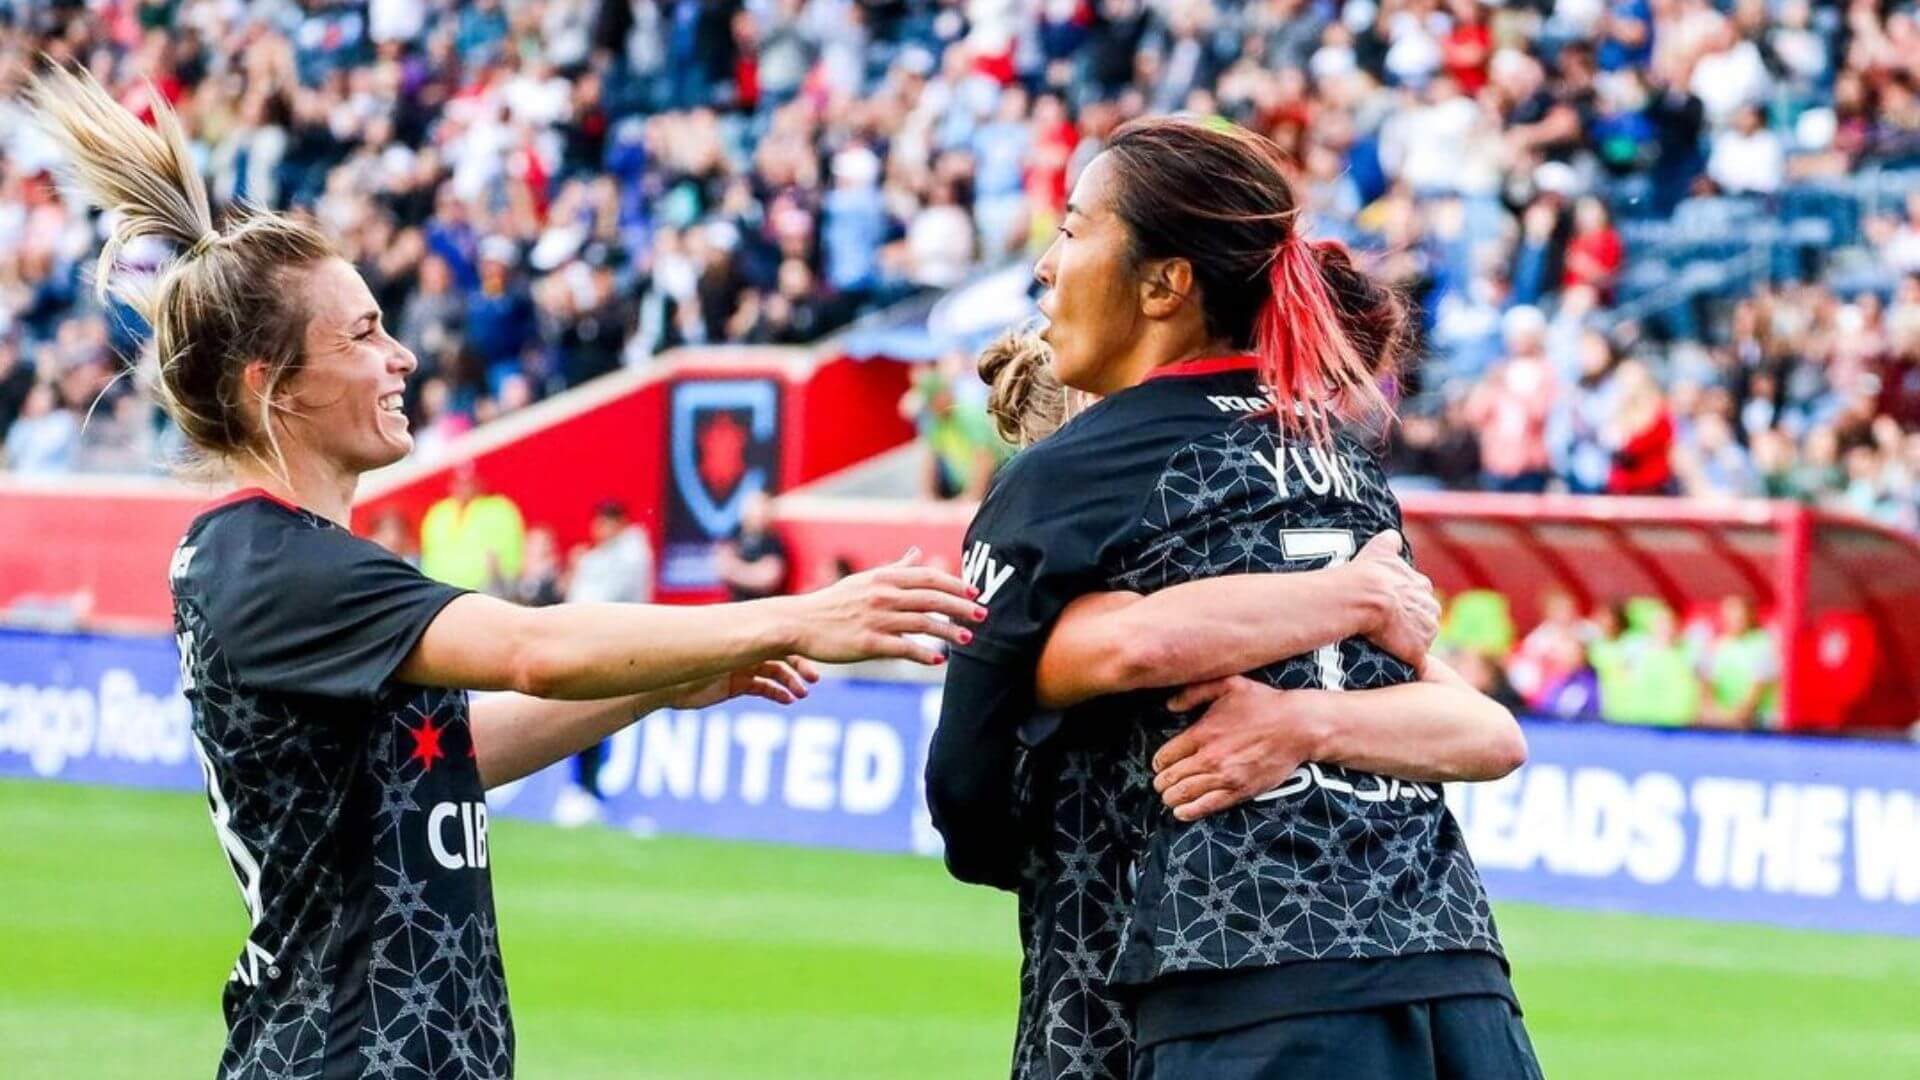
(1457, 1038)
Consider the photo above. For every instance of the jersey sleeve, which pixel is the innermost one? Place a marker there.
(316, 611)
(1039, 541)
(971, 790)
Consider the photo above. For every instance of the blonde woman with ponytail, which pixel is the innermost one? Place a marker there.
(346, 768)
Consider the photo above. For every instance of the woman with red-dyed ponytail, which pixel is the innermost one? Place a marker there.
(1226, 880)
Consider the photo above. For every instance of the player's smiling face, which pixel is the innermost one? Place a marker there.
(346, 400)
(1093, 298)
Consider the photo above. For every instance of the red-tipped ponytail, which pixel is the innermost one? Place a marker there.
(1312, 335)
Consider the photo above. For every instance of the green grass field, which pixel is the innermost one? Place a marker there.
(696, 960)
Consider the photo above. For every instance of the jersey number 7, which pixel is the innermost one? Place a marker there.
(1336, 546)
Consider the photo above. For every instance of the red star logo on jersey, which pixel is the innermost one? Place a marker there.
(723, 453)
(426, 744)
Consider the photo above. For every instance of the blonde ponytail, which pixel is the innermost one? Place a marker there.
(225, 302)
(143, 175)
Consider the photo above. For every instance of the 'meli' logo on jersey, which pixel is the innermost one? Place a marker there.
(1234, 403)
(1313, 469)
(982, 571)
(457, 835)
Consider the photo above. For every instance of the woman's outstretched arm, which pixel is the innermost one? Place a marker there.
(587, 652)
(1112, 642)
(515, 735)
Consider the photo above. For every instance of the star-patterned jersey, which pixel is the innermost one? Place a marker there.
(348, 805)
(1185, 476)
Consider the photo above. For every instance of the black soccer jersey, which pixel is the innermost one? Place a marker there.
(348, 805)
(1186, 476)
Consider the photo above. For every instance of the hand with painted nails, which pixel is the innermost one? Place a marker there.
(887, 612)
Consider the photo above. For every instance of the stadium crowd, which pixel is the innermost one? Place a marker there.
(542, 191)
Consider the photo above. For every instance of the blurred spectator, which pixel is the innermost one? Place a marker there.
(471, 538)
(16, 382)
(1656, 683)
(1715, 464)
(433, 319)
(1574, 692)
(1484, 674)
(1510, 408)
(957, 438)
(1539, 256)
(1478, 621)
(1466, 333)
(1741, 667)
(1468, 46)
(45, 437)
(618, 565)
(500, 317)
(1551, 652)
(586, 319)
(1607, 654)
(1435, 452)
(855, 223)
(116, 436)
(390, 532)
(1641, 434)
(940, 242)
(1000, 151)
(1799, 50)
(439, 424)
(1581, 418)
(1899, 243)
(1818, 469)
(1595, 254)
(1747, 159)
(1729, 75)
(538, 584)
(753, 565)
(616, 568)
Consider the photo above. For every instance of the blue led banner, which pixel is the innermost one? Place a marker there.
(1791, 831)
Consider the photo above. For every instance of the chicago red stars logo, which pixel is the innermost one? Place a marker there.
(723, 453)
(723, 441)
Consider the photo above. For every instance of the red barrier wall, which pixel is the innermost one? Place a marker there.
(556, 463)
(867, 532)
(842, 414)
(110, 540)
(105, 543)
